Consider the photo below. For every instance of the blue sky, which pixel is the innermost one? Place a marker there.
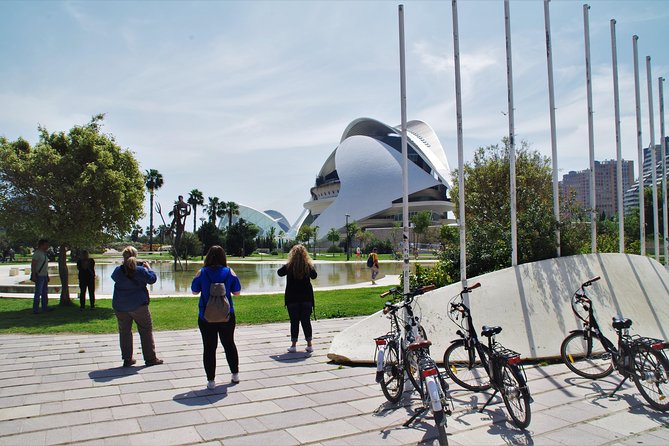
(245, 100)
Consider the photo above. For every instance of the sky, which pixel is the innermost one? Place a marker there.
(245, 100)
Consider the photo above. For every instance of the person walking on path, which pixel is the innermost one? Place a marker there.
(216, 271)
(299, 295)
(39, 273)
(86, 268)
(131, 303)
(374, 260)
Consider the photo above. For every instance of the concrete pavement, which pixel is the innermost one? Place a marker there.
(70, 389)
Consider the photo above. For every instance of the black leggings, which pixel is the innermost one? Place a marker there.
(90, 284)
(300, 313)
(210, 336)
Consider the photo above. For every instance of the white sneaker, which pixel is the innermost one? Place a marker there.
(292, 349)
(211, 385)
(309, 349)
(235, 378)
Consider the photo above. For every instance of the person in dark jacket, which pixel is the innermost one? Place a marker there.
(131, 303)
(86, 268)
(299, 295)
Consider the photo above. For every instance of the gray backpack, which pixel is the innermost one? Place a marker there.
(218, 305)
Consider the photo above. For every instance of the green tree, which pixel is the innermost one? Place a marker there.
(77, 189)
(421, 221)
(315, 237)
(210, 235)
(195, 199)
(136, 233)
(240, 239)
(215, 209)
(351, 229)
(153, 181)
(304, 234)
(333, 236)
(232, 209)
(190, 246)
(487, 208)
(271, 236)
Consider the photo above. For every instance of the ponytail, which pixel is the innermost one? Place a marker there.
(129, 261)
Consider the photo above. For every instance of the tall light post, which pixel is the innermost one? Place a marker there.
(348, 239)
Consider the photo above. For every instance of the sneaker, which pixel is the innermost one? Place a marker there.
(154, 361)
(211, 385)
(129, 362)
(235, 378)
(309, 349)
(292, 349)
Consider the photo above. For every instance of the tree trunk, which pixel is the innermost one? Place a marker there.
(194, 218)
(64, 278)
(151, 223)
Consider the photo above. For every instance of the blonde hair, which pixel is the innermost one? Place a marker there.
(130, 260)
(299, 262)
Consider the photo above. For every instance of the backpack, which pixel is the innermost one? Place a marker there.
(370, 261)
(218, 305)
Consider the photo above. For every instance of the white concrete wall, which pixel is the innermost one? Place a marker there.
(531, 303)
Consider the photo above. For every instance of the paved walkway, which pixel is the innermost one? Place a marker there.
(70, 389)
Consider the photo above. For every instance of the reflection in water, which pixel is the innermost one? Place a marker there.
(255, 277)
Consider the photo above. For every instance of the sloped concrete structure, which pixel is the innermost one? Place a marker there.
(532, 304)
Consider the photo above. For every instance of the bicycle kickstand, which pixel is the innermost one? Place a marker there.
(488, 402)
(419, 411)
(619, 386)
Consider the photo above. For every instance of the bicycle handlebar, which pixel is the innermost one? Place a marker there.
(413, 293)
(589, 282)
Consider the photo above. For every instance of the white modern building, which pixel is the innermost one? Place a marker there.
(264, 220)
(362, 178)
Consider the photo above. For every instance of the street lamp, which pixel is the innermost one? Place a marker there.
(348, 240)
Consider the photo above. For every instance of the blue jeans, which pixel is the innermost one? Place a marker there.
(41, 291)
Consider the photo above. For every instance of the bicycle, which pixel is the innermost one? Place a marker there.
(405, 350)
(590, 354)
(496, 366)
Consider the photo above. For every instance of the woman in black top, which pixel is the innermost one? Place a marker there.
(299, 296)
(86, 268)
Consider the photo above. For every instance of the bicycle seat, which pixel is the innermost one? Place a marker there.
(620, 323)
(421, 343)
(490, 331)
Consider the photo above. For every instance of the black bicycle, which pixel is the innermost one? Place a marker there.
(592, 355)
(478, 367)
(405, 350)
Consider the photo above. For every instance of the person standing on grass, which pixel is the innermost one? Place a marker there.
(216, 270)
(86, 268)
(299, 295)
(131, 303)
(39, 273)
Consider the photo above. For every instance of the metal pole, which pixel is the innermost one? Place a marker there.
(637, 98)
(512, 146)
(551, 105)
(619, 162)
(665, 240)
(461, 162)
(405, 158)
(653, 161)
(591, 135)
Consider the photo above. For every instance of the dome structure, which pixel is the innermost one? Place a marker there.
(263, 220)
(362, 177)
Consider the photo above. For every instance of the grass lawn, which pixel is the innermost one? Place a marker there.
(175, 313)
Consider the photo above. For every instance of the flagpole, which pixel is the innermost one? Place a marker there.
(591, 135)
(637, 99)
(461, 162)
(551, 106)
(405, 158)
(619, 162)
(665, 239)
(512, 144)
(653, 160)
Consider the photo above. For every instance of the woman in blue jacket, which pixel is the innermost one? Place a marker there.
(216, 271)
(131, 303)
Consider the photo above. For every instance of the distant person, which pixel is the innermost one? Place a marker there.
(12, 255)
(39, 273)
(131, 303)
(86, 268)
(216, 271)
(299, 295)
(373, 263)
(358, 252)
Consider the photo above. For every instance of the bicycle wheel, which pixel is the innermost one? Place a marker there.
(593, 362)
(392, 383)
(651, 377)
(440, 422)
(516, 396)
(471, 376)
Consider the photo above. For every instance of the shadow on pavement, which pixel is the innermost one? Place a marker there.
(204, 397)
(106, 375)
(291, 357)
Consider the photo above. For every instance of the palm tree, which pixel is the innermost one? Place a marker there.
(333, 236)
(154, 181)
(232, 209)
(195, 199)
(215, 209)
